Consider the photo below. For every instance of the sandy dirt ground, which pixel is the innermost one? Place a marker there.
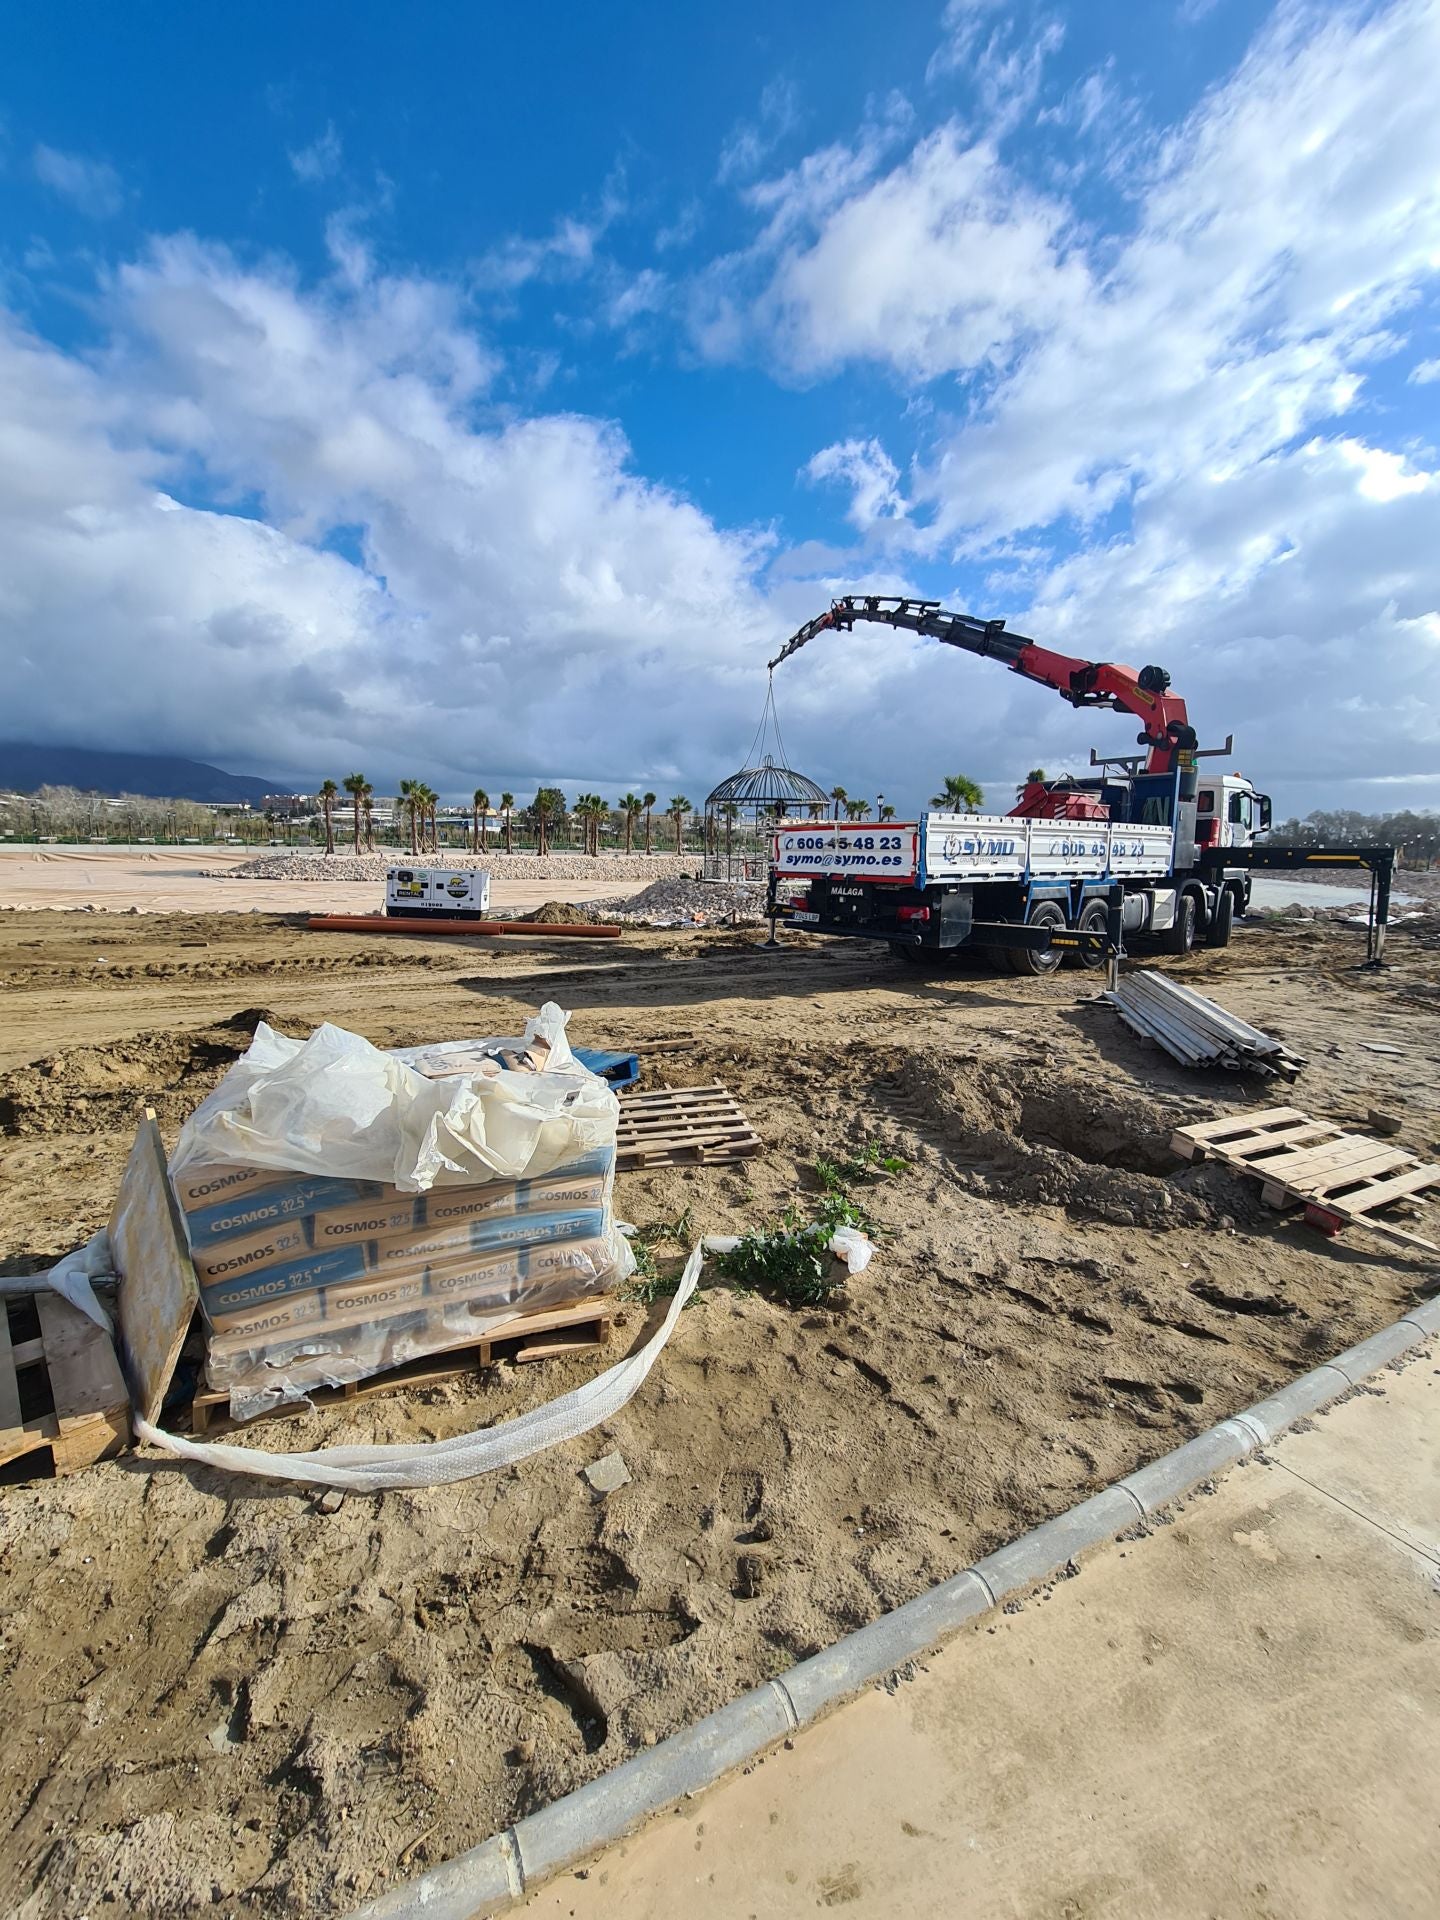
(226, 1701)
(182, 880)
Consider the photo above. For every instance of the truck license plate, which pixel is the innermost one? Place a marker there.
(813, 918)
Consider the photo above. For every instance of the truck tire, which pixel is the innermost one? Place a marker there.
(1094, 918)
(1044, 913)
(1242, 906)
(1180, 939)
(1217, 934)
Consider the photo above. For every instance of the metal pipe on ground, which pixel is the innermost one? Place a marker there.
(1194, 1030)
(524, 929)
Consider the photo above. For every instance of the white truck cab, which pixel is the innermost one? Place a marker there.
(1229, 811)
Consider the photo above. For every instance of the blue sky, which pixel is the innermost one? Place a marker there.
(483, 394)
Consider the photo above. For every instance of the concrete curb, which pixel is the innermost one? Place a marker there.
(487, 1878)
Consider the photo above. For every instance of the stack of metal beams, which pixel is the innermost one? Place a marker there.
(1194, 1030)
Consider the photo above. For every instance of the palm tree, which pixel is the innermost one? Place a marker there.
(328, 791)
(367, 801)
(961, 795)
(1035, 773)
(677, 809)
(632, 806)
(507, 803)
(548, 802)
(479, 810)
(856, 809)
(649, 800)
(599, 820)
(432, 801)
(839, 796)
(407, 805)
(886, 813)
(354, 784)
(584, 812)
(730, 813)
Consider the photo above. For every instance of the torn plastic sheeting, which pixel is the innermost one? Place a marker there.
(370, 1469)
(337, 1106)
(73, 1277)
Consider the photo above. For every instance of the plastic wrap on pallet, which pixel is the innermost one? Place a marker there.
(335, 1107)
(314, 1273)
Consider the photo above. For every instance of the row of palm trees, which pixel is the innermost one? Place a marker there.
(859, 809)
(419, 804)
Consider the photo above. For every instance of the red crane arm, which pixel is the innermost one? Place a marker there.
(1084, 683)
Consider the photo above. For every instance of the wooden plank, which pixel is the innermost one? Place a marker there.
(671, 1125)
(1351, 1158)
(1206, 1130)
(9, 1385)
(1330, 1219)
(1310, 1133)
(85, 1377)
(1229, 1150)
(468, 1353)
(157, 1290)
(1393, 1186)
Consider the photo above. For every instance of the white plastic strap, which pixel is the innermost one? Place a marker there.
(438, 1462)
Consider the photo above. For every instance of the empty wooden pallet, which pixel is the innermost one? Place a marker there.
(676, 1126)
(547, 1335)
(1341, 1179)
(61, 1390)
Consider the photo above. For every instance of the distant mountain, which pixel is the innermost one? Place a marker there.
(158, 776)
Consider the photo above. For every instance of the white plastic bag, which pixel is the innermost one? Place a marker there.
(334, 1104)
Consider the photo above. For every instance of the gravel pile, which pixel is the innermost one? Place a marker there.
(689, 903)
(293, 864)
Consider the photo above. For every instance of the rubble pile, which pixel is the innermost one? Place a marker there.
(293, 864)
(680, 902)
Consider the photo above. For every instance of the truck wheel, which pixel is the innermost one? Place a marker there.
(1217, 934)
(1094, 918)
(1181, 937)
(1244, 903)
(1045, 913)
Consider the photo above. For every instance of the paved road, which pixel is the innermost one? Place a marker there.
(1236, 1716)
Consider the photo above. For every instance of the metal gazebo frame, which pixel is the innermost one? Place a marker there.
(763, 791)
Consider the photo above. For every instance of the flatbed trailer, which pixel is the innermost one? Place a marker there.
(1036, 891)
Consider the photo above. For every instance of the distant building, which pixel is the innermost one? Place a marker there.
(289, 806)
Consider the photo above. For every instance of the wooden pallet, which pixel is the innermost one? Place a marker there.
(1341, 1179)
(678, 1126)
(61, 1389)
(547, 1335)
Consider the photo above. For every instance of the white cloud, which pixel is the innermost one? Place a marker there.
(944, 263)
(528, 604)
(91, 185)
(320, 160)
(1188, 372)
(567, 252)
(1425, 372)
(870, 473)
(751, 142)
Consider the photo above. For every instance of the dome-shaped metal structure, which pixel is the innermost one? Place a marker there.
(743, 808)
(768, 789)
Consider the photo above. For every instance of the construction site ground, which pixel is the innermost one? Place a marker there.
(221, 1699)
(1236, 1713)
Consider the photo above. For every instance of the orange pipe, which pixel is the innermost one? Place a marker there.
(388, 923)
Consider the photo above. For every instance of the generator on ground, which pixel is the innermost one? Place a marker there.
(439, 893)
